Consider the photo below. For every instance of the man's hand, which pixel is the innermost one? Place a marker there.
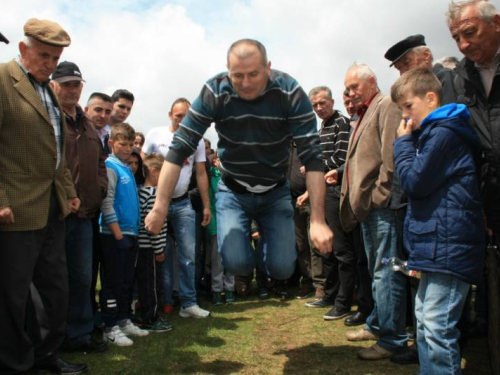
(6, 215)
(155, 220)
(74, 204)
(302, 170)
(303, 199)
(160, 258)
(207, 216)
(255, 235)
(405, 127)
(332, 177)
(321, 237)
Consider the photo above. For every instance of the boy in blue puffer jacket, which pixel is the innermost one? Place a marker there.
(444, 229)
(119, 224)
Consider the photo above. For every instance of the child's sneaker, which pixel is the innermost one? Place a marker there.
(263, 294)
(159, 325)
(133, 330)
(194, 311)
(230, 297)
(217, 298)
(116, 337)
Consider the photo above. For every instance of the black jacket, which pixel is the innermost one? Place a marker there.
(485, 119)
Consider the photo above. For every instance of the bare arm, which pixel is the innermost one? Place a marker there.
(321, 235)
(168, 180)
(202, 183)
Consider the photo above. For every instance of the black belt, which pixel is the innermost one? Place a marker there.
(181, 198)
(240, 189)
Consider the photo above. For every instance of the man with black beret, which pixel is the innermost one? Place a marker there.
(411, 53)
(36, 194)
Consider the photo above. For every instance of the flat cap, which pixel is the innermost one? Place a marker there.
(66, 72)
(400, 49)
(47, 32)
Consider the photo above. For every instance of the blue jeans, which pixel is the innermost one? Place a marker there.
(182, 218)
(387, 320)
(79, 260)
(438, 307)
(273, 212)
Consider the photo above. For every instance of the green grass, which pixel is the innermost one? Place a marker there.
(255, 337)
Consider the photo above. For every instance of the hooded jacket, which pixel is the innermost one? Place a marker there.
(444, 229)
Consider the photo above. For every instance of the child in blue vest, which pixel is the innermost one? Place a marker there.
(119, 224)
(444, 229)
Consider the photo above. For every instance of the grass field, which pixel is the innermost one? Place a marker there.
(275, 336)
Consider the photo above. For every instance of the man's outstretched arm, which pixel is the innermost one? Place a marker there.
(320, 233)
(166, 184)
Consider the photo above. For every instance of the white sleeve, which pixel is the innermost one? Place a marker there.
(199, 155)
(149, 143)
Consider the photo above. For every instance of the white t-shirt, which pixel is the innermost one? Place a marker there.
(158, 141)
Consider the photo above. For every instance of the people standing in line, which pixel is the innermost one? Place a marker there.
(120, 220)
(36, 194)
(85, 160)
(181, 215)
(371, 197)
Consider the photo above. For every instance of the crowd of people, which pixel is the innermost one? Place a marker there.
(411, 178)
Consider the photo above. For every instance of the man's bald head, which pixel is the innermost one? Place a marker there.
(245, 48)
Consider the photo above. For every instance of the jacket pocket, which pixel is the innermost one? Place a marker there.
(423, 238)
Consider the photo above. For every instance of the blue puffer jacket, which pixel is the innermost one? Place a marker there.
(444, 229)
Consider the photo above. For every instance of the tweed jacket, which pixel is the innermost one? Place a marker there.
(369, 166)
(28, 154)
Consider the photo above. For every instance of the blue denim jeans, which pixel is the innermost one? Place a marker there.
(387, 320)
(273, 212)
(79, 260)
(182, 218)
(438, 307)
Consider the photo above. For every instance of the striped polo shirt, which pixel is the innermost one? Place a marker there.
(254, 136)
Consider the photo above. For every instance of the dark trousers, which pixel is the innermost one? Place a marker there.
(146, 283)
(302, 216)
(97, 249)
(343, 251)
(32, 257)
(364, 291)
(118, 272)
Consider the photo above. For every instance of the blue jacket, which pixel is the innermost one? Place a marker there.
(121, 204)
(444, 229)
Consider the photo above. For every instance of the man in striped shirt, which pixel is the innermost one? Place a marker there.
(338, 268)
(257, 112)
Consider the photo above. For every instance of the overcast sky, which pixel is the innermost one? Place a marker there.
(161, 50)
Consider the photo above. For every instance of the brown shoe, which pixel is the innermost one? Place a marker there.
(320, 293)
(360, 335)
(374, 353)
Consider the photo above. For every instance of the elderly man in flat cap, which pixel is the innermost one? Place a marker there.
(411, 53)
(36, 194)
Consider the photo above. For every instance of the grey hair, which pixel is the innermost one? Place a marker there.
(449, 62)
(364, 71)
(317, 89)
(419, 49)
(28, 41)
(485, 9)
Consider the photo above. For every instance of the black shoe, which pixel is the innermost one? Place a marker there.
(335, 314)
(355, 319)
(407, 356)
(320, 302)
(59, 366)
(304, 292)
(281, 291)
(89, 347)
(263, 294)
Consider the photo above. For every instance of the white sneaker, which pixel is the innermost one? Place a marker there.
(116, 337)
(194, 311)
(133, 330)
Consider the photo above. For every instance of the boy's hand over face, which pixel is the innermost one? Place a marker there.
(405, 127)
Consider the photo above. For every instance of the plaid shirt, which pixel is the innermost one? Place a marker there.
(52, 109)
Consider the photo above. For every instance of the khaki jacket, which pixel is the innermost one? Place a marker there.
(28, 154)
(369, 164)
